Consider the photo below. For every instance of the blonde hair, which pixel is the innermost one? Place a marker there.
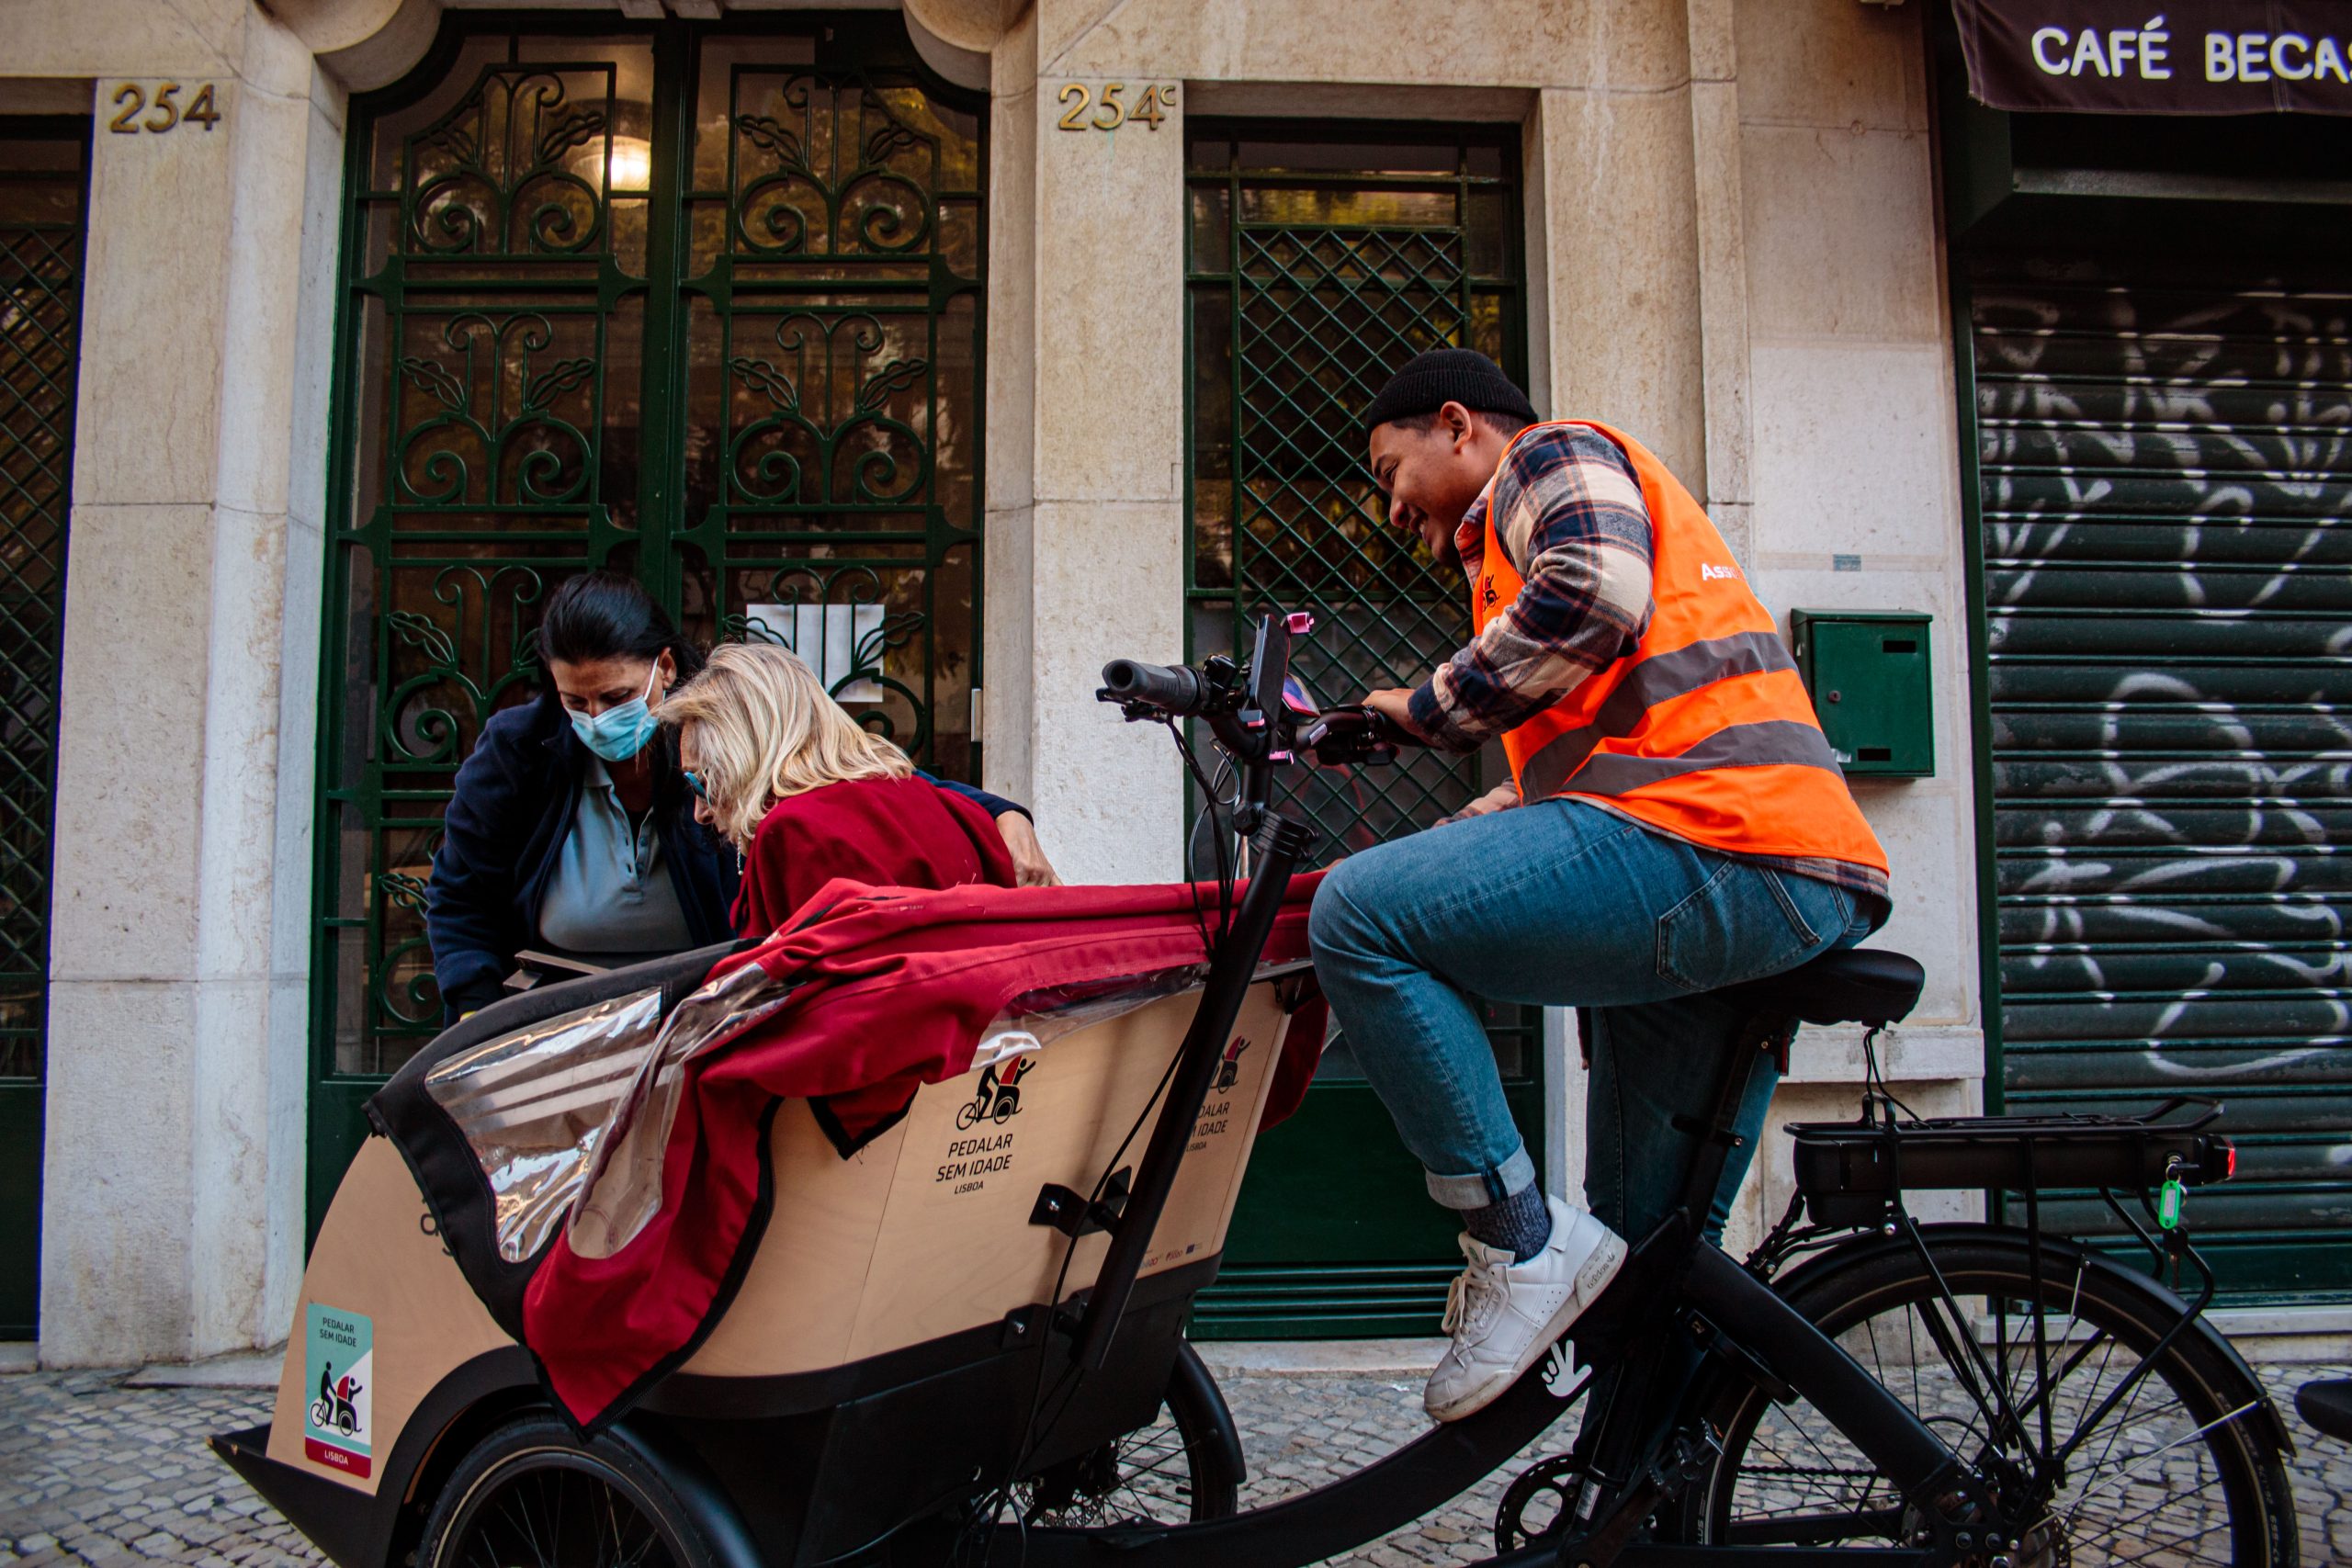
(766, 730)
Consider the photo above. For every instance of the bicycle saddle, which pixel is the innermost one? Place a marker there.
(1856, 986)
(2328, 1406)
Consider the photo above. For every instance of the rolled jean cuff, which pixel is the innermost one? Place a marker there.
(1480, 1189)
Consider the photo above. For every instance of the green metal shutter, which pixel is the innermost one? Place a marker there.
(2164, 466)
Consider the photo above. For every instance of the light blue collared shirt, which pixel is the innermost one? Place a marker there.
(610, 892)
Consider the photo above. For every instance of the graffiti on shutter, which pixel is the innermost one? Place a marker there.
(2167, 470)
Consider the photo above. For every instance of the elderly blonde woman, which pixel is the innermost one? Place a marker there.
(806, 795)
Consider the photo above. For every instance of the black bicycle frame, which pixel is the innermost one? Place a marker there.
(1739, 1319)
(1280, 844)
(1745, 1322)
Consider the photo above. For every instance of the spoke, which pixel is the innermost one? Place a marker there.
(2122, 1421)
(520, 1506)
(2164, 1501)
(2189, 1437)
(2166, 1545)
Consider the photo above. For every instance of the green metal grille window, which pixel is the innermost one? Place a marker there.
(702, 303)
(41, 186)
(1315, 270)
(1315, 267)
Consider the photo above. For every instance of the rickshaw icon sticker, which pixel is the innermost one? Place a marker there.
(340, 1368)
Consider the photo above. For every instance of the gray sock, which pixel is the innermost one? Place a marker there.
(1521, 1222)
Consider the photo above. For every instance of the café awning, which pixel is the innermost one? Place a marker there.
(2180, 57)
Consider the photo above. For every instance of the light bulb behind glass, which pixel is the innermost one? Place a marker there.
(631, 167)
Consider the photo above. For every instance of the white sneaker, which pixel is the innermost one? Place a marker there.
(1504, 1316)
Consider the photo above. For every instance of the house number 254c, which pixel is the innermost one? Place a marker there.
(1109, 112)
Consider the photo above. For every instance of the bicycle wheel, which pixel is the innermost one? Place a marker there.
(1183, 1468)
(2182, 1469)
(532, 1495)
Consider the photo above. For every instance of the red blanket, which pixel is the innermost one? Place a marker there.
(894, 988)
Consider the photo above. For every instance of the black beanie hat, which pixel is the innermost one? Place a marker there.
(1429, 381)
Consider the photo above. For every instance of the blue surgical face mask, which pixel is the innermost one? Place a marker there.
(619, 733)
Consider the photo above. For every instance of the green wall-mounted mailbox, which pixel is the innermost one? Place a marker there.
(1867, 672)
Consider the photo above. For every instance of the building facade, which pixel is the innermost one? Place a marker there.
(968, 344)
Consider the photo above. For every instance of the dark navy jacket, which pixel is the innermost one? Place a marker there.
(515, 798)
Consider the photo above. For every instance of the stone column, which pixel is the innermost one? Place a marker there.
(1620, 272)
(1086, 524)
(1007, 715)
(173, 1221)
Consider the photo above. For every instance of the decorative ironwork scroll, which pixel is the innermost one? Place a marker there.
(729, 346)
(486, 448)
(501, 174)
(832, 321)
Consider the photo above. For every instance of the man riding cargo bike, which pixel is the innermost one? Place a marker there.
(1675, 823)
(706, 1262)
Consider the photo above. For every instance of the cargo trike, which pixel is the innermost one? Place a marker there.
(962, 1341)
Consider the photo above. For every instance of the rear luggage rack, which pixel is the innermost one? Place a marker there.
(1850, 1171)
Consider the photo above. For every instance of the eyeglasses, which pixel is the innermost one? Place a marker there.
(693, 782)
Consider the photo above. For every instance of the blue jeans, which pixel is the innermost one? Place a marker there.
(1562, 904)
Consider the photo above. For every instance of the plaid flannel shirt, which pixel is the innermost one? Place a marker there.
(1567, 503)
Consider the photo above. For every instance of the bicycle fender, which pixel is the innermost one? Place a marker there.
(2064, 1255)
(1195, 1373)
(696, 1489)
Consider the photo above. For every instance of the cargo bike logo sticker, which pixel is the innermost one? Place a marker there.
(998, 1098)
(971, 1160)
(340, 1367)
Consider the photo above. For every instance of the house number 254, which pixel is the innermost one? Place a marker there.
(164, 112)
(1109, 112)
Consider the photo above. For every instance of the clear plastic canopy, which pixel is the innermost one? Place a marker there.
(570, 1117)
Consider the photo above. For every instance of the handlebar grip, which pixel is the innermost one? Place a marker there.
(1174, 689)
(1354, 735)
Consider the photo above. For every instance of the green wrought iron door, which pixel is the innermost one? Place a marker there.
(699, 303)
(42, 182)
(1316, 267)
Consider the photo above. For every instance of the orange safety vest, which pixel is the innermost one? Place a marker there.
(1704, 730)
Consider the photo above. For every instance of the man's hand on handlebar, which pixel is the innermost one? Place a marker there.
(1396, 705)
(1345, 736)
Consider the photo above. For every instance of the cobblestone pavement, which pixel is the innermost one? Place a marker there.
(95, 1472)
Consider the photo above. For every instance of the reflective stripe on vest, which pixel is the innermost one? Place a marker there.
(1704, 729)
(1650, 683)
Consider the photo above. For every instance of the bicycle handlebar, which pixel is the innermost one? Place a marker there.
(1346, 736)
(1176, 690)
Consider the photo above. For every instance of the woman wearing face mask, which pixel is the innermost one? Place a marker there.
(570, 830)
